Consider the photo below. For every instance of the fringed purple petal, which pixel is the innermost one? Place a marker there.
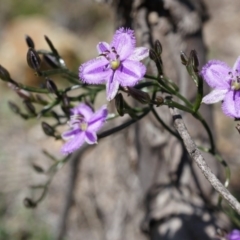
(231, 104)
(90, 137)
(70, 133)
(216, 74)
(236, 66)
(98, 119)
(139, 54)
(95, 71)
(102, 47)
(112, 87)
(215, 96)
(130, 73)
(73, 144)
(83, 110)
(124, 42)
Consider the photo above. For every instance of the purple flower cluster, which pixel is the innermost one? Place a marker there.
(226, 84)
(118, 64)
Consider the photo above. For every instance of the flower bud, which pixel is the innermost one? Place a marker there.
(4, 74)
(184, 58)
(51, 60)
(29, 203)
(29, 107)
(139, 95)
(158, 47)
(51, 86)
(119, 104)
(33, 59)
(13, 107)
(48, 130)
(37, 168)
(29, 41)
(153, 55)
(49, 42)
(193, 58)
(65, 100)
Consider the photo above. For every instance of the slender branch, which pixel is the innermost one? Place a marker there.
(200, 161)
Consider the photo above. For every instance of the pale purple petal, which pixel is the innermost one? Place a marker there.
(124, 42)
(130, 73)
(102, 47)
(98, 119)
(231, 104)
(70, 133)
(215, 96)
(139, 54)
(90, 137)
(216, 74)
(112, 87)
(95, 71)
(73, 144)
(83, 110)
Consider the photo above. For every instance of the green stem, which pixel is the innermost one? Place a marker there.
(122, 126)
(32, 89)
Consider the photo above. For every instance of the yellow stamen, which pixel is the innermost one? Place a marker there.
(83, 126)
(236, 85)
(115, 64)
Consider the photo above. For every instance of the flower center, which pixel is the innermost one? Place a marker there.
(83, 126)
(235, 80)
(112, 57)
(115, 64)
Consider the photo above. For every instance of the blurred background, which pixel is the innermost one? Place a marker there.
(75, 27)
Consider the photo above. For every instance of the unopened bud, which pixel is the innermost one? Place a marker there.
(13, 107)
(65, 100)
(49, 42)
(184, 58)
(51, 60)
(119, 104)
(29, 203)
(29, 107)
(48, 130)
(51, 86)
(153, 55)
(33, 59)
(4, 74)
(139, 95)
(29, 41)
(194, 60)
(37, 168)
(158, 47)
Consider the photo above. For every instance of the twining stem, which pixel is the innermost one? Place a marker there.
(165, 125)
(200, 161)
(122, 126)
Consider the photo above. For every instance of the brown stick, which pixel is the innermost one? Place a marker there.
(198, 158)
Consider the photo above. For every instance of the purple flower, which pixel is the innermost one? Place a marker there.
(226, 84)
(84, 124)
(234, 235)
(117, 63)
